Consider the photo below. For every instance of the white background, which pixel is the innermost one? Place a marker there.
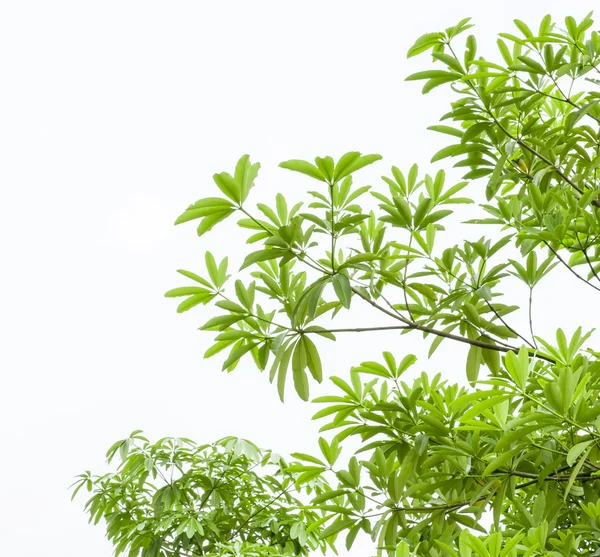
(114, 116)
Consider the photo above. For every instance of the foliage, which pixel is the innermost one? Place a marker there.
(174, 497)
(433, 459)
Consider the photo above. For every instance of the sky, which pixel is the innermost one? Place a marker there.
(114, 117)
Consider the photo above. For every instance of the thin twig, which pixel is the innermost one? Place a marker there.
(569, 267)
(473, 342)
(530, 317)
(585, 254)
(260, 509)
(509, 327)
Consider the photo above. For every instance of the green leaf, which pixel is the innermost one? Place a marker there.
(298, 370)
(337, 526)
(523, 28)
(211, 267)
(425, 42)
(228, 186)
(262, 255)
(195, 277)
(193, 301)
(576, 450)
(494, 183)
(500, 461)
(204, 207)
(344, 165)
(221, 322)
(474, 358)
(325, 166)
(518, 366)
(281, 366)
(422, 209)
(450, 61)
(447, 130)
(343, 290)
(211, 220)
(218, 347)
(433, 74)
(575, 472)
(187, 291)
(328, 495)
(245, 174)
(304, 167)
(313, 360)
(402, 550)
(355, 164)
(237, 353)
(453, 150)
(434, 217)
(491, 359)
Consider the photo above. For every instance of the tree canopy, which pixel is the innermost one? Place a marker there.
(520, 445)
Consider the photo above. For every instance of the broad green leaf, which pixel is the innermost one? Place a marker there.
(500, 461)
(341, 285)
(262, 255)
(425, 42)
(576, 450)
(211, 220)
(433, 74)
(299, 362)
(354, 164)
(474, 358)
(187, 291)
(304, 167)
(313, 359)
(326, 168)
(228, 186)
(193, 301)
(203, 208)
(575, 472)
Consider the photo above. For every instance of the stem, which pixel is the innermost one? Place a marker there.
(555, 477)
(404, 282)
(434, 508)
(510, 328)
(332, 229)
(530, 318)
(362, 329)
(558, 478)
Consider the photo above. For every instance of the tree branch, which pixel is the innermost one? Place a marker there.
(555, 478)
(531, 318)
(362, 329)
(473, 342)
